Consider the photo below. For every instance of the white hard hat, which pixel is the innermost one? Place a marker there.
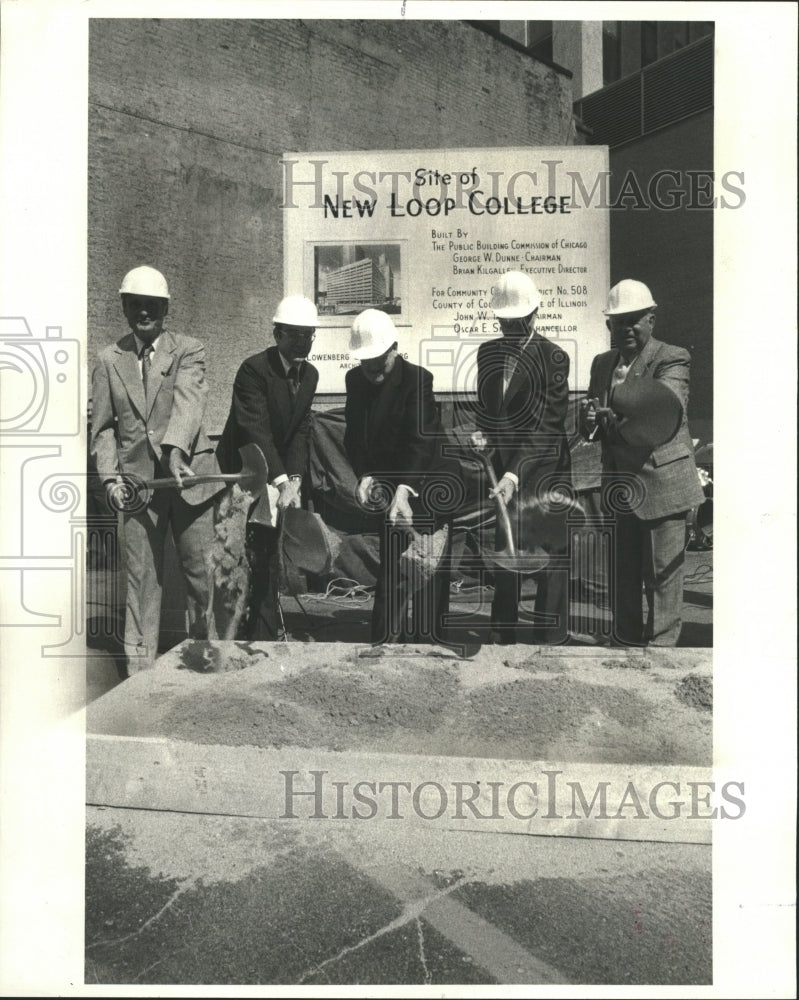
(372, 333)
(629, 297)
(515, 295)
(145, 281)
(296, 310)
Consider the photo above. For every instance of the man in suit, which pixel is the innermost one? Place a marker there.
(522, 403)
(661, 482)
(271, 407)
(393, 439)
(148, 400)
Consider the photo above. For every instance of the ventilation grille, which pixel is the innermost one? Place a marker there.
(665, 92)
(614, 115)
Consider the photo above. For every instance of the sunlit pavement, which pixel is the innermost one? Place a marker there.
(181, 898)
(205, 867)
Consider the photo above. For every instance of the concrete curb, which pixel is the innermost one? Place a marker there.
(294, 784)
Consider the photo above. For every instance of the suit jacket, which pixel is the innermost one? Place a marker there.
(526, 426)
(264, 412)
(393, 431)
(668, 474)
(129, 430)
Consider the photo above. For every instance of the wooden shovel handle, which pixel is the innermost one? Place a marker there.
(230, 477)
(500, 502)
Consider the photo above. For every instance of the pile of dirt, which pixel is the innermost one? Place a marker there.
(551, 706)
(407, 706)
(696, 692)
(375, 702)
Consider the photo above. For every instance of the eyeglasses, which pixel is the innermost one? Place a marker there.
(299, 334)
(629, 319)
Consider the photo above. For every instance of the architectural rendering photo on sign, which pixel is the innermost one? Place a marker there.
(348, 278)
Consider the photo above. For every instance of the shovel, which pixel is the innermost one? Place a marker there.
(511, 559)
(252, 477)
(423, 556)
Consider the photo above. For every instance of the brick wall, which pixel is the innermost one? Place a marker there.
(189, 118)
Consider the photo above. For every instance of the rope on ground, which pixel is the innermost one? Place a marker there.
(702, 574)
(460, 586)
(342, 590)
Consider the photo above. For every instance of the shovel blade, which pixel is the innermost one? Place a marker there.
(524, 561)
(254, 472)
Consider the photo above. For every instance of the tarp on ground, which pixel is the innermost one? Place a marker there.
(354, 533)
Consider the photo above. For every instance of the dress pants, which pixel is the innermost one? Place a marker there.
(550, 624)
(145, 537)
(402, 613)
(649, 558)
(263, 553)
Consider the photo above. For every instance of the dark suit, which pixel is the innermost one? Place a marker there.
(265, 411)
(129, 431)
(394, 434)
(649, 537)
(526, 428)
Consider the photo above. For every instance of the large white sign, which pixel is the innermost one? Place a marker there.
(425, 234)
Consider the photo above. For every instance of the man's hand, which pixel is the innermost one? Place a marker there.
(595, 417)
(288, 494)
(588, 414)
(478, 441)
(179, 465)
(115, 493)
(505, 488)
(400, 509)
(363, 492)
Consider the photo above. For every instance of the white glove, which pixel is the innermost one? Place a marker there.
(288, 494)
(400, 509)
(505, 488)
(363, 491)
(478, 441)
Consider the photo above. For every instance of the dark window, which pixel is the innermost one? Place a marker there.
(649, 42)
(698, 29)
(611, 51)
(539, 39)
(681, 32)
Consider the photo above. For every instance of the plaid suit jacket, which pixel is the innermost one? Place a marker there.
(668, 474)
(130, 429)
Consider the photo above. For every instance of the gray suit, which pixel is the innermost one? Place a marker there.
(650, 537)
(129, 431)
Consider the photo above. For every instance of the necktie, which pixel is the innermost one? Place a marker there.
(293, 376)
(146, 363)
(511, 360)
